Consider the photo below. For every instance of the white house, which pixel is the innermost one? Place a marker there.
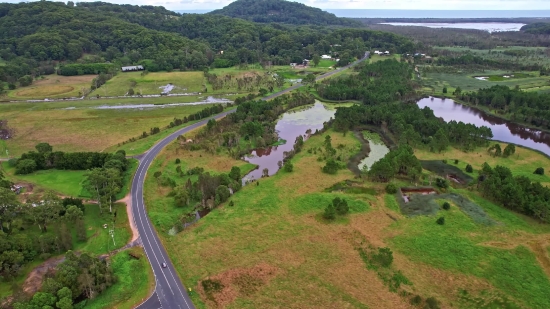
(326, 57)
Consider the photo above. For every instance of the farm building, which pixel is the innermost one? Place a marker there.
(326, 57)
(132, 68)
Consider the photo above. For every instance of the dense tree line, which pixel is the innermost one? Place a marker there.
(383, 81)
(517, 193)
(35, 37)
(281, 11)
(46, 158)
(85, 68)
(410, 124)
(77, 278)
(527, 107)
(537, 28)
(472, 61)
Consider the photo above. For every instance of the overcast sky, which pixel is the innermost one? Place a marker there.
(358, 4)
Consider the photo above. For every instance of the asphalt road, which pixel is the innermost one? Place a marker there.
(170, 292)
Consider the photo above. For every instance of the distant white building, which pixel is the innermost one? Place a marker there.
(377, 52)
(132, 68)
(326, 57)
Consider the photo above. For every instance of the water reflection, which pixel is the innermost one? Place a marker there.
(290, 126)
(503, 130)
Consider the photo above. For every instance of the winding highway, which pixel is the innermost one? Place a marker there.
(169, 291)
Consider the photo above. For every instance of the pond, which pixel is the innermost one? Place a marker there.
(291, 125)
(377, 151)
(503, 130)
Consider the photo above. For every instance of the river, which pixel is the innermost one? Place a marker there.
(291, 125)
(503, 130)
(489, 27)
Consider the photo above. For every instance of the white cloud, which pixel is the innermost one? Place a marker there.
(359, 4)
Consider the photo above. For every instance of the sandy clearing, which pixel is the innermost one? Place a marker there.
(128, 201)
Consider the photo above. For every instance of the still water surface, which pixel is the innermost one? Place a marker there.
(503, 130)
(289, 127)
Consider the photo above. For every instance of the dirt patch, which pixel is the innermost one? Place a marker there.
(221, 290)
(128, 201)
(33, 283)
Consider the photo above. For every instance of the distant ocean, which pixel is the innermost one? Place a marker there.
(422, 13)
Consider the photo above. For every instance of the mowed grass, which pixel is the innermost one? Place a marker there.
(99, 241)
(83, 128)
(65, 182)
(135, 282)
(53, 86)
(151, 83)
(523, 163)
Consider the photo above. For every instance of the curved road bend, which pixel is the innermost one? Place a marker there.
(170, 292)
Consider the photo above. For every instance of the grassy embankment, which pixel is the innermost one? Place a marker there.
(278, 226)
(135, 282)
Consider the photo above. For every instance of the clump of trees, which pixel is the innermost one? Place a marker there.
(53, 216)
(337, 207)
(75, 279)
(527, 107)
(400, 161)
(45, 158)
(517, 193)
(496, 151)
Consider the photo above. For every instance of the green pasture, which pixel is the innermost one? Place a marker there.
(80, 126)
(150, 83)
(375, 58)
(65, 182)
(530, 81)
(532, 55)
(457, 247)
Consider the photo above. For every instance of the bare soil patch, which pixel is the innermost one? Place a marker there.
(33, 283)
(221, 290)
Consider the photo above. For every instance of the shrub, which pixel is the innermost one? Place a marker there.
(330, 212)
(391, 188)
(13, 162)
(444, 89)
(25, 166)
(456, 161)
(469, 169)
(446, 206)
(331, 167)
(441, 221)
(442, 183)
(444, 161)
(417, 300)
(131, 91)
(288, 167)
(384, 257)
(231, 203)
(157, 174)
(431, 303)
(539, 171)
(341, 206)
(211, 286)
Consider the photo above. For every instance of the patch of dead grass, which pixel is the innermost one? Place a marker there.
(237, 282)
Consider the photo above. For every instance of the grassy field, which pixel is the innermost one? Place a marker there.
(53, 86)
(80, 126)
(468, 82)
(135, 281)
(274, 235)
(523, 163)
(532, 55)
(151, 83)
(66, 183)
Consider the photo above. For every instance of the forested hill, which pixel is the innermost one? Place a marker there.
(281, 11)
(537, 28)
(37, 37)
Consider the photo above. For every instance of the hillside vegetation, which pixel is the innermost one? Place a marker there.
(281, 11)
